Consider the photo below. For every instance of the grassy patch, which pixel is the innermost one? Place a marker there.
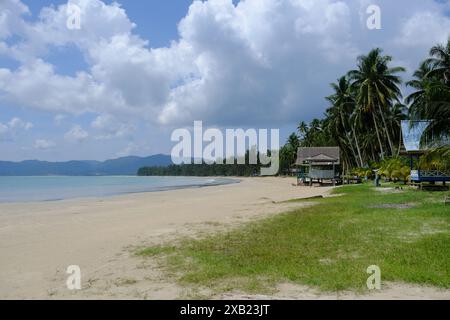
(328, 246)
(302, 199)
(154, 251)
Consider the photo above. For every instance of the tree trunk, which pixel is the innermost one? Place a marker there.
(352, 149)
(357, 147)
(391, 145)
(358, 161)
(378, 135)
(399, 142)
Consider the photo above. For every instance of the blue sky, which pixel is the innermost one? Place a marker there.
(156, 20)
(138, 70)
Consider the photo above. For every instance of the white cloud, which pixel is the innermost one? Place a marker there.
(77, 133)
(110, 127)
(10, 17)
(230, 61)
(36, 85)
(424, 28)
(43, 144)
(262, 62)
(17, 124)
(13, 128)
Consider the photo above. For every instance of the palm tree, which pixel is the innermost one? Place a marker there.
(417, 100)
(302, 128)
(431, 100)
(293, 141)
(398, 113)
(440, 61)
(291, 147)
(377, 85)
(437, 110)
(355, 120)
(343, 101)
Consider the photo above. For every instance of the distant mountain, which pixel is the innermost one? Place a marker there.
(120, 166)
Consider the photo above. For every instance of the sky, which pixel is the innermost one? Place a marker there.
(136, 70)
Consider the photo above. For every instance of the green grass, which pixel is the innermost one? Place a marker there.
(328, 246)
(153, 251)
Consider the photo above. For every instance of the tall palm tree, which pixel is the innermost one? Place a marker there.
(302, 128)
(431, 100)
(292, 145)
(293, 141)
(398, 113)
(377, 85)
(334, 129)
(343, 105)
(440, 61)
(438, 110)
(418, 99)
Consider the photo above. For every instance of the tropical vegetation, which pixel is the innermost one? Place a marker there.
(240, 168)
(366, 108)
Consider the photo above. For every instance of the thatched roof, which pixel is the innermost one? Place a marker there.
(318, 155)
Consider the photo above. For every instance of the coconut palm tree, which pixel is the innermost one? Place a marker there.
(293, 141)
(431, 100)
(418, 99)
(343, 105)
(290, 149)
(302, 128)
(440, 61)
(377, 85)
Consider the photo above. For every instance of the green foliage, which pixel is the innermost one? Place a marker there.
(361, 173)
(206, 170)
(436, 159)
(365, 113)
(431, 100)
(395, 169)
(328, 246)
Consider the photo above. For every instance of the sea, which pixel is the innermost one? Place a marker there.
(54, 188)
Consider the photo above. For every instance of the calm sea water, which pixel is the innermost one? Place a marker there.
(26, 189)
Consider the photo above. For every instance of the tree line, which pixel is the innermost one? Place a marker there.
(366, 108)
(204, 170)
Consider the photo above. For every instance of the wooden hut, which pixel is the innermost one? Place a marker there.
(318, 164)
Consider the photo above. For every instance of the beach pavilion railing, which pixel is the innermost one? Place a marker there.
(322, 174)
(429, 175)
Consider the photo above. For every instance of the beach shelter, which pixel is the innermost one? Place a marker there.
(318, 164)
(416, 143)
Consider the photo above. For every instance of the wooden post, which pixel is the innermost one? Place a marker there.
(310, 178)
(334, 174)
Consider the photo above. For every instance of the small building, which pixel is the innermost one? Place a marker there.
(318, 164)
(416, 144)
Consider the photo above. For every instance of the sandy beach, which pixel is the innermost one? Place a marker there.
(38, 241)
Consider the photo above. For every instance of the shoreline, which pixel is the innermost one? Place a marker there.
(218, 182)
(38, 241)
